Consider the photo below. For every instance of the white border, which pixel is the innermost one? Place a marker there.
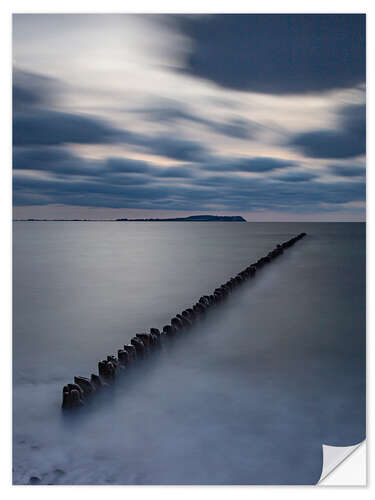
(162, 493)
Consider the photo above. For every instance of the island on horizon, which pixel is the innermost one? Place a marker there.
(193, 218)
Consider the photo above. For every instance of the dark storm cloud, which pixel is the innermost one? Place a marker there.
(170, 113)
(347, 170)
(251, 165)
(348, 140)
(277, 54)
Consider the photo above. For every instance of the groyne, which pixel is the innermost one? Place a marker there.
(82, 389)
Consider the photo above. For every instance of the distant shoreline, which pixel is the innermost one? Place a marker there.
(164, 220)
(192, 218)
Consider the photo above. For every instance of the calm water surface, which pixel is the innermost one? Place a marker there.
(248, 397)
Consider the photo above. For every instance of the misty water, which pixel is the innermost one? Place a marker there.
(247, 397)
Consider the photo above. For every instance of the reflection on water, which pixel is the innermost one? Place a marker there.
(248, 397)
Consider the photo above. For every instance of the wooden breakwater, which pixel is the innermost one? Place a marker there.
(82, 389)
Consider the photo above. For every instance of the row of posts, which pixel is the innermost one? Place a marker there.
(76, 394)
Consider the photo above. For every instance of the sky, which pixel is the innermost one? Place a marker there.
(130, 115)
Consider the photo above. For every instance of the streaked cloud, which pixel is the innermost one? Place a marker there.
(348, 170)
(346, 141)
(170, 113)
(190, 113)
(295, 177)
(277, 54)
(249, 165)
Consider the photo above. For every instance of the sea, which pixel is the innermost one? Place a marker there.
(248, 396)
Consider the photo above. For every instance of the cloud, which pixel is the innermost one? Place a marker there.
(348, 140)
(35, 123)
(295, 177)
(51, 128)
(107, 192)
(54, 160)
(170, 147)
(170, 113)
(348, 170)
(61, 162)
(250, 165)
(263, 193)
(125, 165)
(176, 172)
(125, 183)
(277, 54)
(183, 111)
(32, 90)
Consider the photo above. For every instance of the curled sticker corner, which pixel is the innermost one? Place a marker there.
(333, 456)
